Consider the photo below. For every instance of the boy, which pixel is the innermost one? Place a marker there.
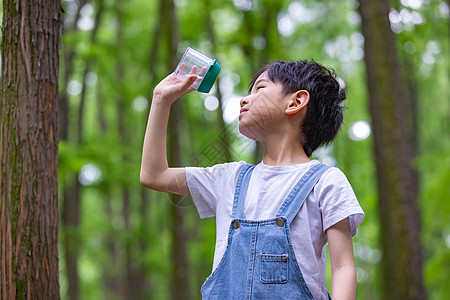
(274, 219)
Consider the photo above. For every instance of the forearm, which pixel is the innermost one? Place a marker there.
(155, 172)
(344, 283)
(154, 155)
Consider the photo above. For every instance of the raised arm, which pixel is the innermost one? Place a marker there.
(343, 272)
(155, 172)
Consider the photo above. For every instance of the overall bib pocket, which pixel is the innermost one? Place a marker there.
(274, 268)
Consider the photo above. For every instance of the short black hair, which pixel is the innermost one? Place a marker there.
(324, 114)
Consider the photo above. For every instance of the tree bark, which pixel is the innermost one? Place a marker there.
(29, 146)
(400, 224)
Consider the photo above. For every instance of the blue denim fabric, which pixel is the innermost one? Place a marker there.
(259, 262)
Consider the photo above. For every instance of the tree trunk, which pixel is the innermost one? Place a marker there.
(400, 229)
(112, 268)
(142, 280)
(113, 285)
(72, 191)
(67, 66)
(154, 47)
(128, 277)
(70, 219)
(29, 146)
(134, 275)
(224, 131)
(179, 277)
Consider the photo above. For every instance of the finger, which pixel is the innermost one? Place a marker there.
(182, 66)
(193, 70)
(202, 71)
(188, 82)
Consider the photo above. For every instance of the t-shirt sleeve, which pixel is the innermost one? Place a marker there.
(338, 200)
(208, 185)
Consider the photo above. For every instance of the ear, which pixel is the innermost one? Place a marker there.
(297, 102)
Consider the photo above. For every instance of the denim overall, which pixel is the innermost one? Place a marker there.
(259, 262)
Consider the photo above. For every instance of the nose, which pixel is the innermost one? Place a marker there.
(244, 101)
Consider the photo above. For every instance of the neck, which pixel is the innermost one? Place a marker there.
(283, 151)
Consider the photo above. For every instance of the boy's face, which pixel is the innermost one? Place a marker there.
(263, 109)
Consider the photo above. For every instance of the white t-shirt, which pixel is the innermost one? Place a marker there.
(331, 201)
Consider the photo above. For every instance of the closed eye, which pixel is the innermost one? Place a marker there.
(256, 88)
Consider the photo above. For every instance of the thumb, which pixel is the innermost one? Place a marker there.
(188, 82)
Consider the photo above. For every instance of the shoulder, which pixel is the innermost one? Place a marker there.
(333, 178)
(333, 187)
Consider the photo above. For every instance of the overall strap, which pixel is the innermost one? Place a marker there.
(241, 191)
(298, 194)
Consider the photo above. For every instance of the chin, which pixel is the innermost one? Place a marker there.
(248, 132)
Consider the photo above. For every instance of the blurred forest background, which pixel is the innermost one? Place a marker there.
(121, 241)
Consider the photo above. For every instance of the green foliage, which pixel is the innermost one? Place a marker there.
(328, 31)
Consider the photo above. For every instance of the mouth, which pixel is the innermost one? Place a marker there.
(243, 110)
